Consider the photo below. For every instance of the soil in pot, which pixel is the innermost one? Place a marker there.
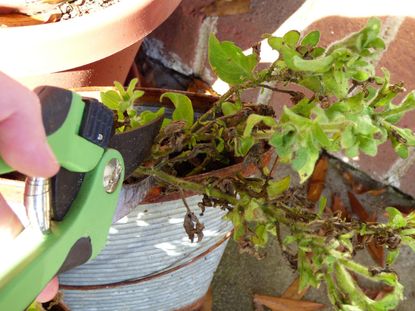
(22, 13)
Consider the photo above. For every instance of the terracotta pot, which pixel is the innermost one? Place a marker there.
(94, 49)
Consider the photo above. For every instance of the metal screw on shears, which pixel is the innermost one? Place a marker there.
(37, 200)
(112, 175)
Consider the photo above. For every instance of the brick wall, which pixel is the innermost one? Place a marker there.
(181, 45)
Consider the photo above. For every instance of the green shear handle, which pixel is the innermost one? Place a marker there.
(33, 258)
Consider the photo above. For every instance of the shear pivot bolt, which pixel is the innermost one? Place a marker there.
(112, 174)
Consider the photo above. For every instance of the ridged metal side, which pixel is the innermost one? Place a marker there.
(148, 242)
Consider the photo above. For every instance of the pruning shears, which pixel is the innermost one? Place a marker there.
(70, 214)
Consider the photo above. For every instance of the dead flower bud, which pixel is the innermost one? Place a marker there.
(193, 226)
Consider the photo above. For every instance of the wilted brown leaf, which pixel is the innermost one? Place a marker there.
(200, 86)
(316, 183)
(17, 19)
(292, 292)
(227, 7)
(285, 304)
(377, 252)
(337, 207)
(377, 293)
(357, 207)
(376, 192)
(358, 187)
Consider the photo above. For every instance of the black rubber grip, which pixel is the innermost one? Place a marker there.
(97, 122)
(55, 103)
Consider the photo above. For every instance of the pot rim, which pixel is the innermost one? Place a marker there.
(70, 44)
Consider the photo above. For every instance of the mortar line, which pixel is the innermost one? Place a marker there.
(208, 25)
(389, 31)
(399, 169)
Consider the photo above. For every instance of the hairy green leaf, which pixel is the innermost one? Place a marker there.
(291, 38)
(277, 187)
(311, 39)
(229, 62)
(183, 107)
(230, 108)
(255, 119)
(396, 219)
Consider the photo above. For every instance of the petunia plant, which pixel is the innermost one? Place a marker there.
(338, 104)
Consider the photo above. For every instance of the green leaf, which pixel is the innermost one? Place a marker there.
(275, 42)
(317, 52)
(307, 275)
(401, 149)
(321, 206)
(289, 239)
(277, 187)
(361, 76)
(243, 145)
(250, 210)
(121, 90)
(352, 151)
(320, 136)
(111, 99)
(228, 61)
(313, 83)
(391, 256)
(298, 120)
(317, 65)
(396, 219)
(351, 308)
(148, 116)
(304, 107)
(261, 236)
(254, 119)
(301, 158)
(291, 38)
(368, 145)
(131, 87)
(304, 161)
(283, 142)
(230, 108)
(183, 107)
(336, 83)
(407, 104)
(348, 138)
(405, 134)
(365, 125)
(311, 39)
(271, 228)
(35, 306)
(409, 242)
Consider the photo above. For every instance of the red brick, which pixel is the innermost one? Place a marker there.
(379, 165)
(279, 100)
(265, 16)
(399, 59)
(407, 182)
(180, 32)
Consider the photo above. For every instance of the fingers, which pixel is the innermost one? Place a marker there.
(49, 292)
(23, 143)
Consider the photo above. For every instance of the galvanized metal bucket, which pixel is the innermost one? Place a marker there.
(149, 263)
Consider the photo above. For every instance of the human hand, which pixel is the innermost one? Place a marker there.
(24, 147)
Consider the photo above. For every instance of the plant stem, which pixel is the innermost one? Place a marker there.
(187, 185)
(289, 92)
